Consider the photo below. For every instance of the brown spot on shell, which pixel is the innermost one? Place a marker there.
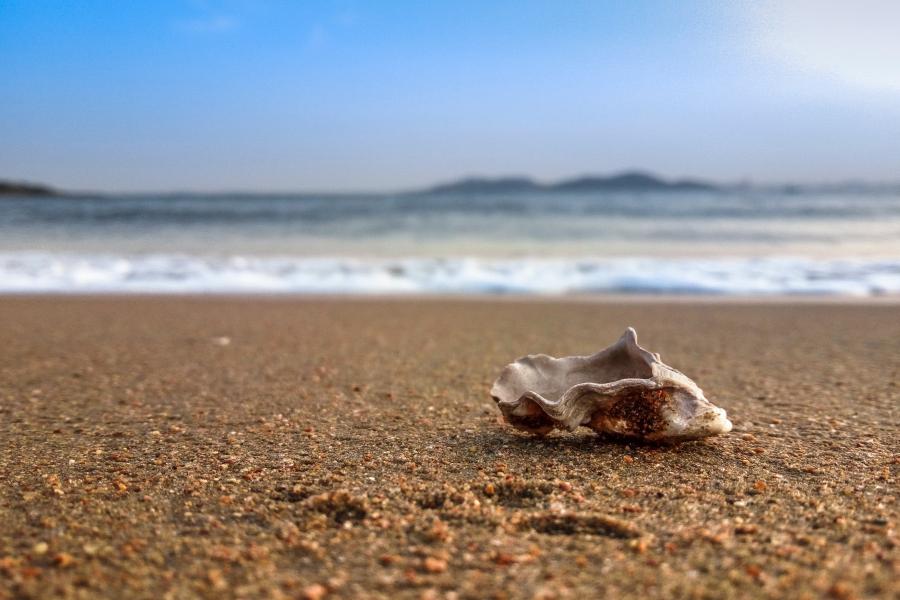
(635, 413)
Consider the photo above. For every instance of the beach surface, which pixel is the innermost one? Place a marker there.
(283, 447)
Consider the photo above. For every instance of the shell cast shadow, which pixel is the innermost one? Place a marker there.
(623, 390)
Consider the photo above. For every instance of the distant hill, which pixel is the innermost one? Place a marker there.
(19, 188)
(631, 181)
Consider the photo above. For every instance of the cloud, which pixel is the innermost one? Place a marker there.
(208, 24)
(854, 42)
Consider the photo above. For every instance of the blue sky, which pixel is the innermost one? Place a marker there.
(344, 95)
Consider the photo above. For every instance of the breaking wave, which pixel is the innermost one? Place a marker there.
(44, 272)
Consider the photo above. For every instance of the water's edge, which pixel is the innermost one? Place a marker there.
(40, 272)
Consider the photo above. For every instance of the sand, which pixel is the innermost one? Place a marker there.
(229, 447)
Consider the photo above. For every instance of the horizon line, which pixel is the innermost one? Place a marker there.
(746, 183)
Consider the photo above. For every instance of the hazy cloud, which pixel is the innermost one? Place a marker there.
(855, 42)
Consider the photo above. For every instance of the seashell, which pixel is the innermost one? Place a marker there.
(623, 391)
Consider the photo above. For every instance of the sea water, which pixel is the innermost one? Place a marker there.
(733, 242)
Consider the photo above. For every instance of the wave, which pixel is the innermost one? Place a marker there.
(42, 272)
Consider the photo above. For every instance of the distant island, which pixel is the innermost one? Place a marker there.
(19, 188)
(631, 181)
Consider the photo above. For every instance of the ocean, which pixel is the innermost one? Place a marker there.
(735, 242)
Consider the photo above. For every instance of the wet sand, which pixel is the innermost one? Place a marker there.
(229, 447)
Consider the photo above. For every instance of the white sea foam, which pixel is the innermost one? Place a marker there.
(38, 272)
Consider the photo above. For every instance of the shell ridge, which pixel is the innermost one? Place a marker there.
(572, 409)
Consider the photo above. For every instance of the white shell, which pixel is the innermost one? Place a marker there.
(623, 391)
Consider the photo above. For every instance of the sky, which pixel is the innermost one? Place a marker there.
(343, 95)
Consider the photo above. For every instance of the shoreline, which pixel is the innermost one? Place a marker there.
(677, 299)
(543, 277)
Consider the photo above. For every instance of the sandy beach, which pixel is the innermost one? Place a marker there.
(283, 447)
